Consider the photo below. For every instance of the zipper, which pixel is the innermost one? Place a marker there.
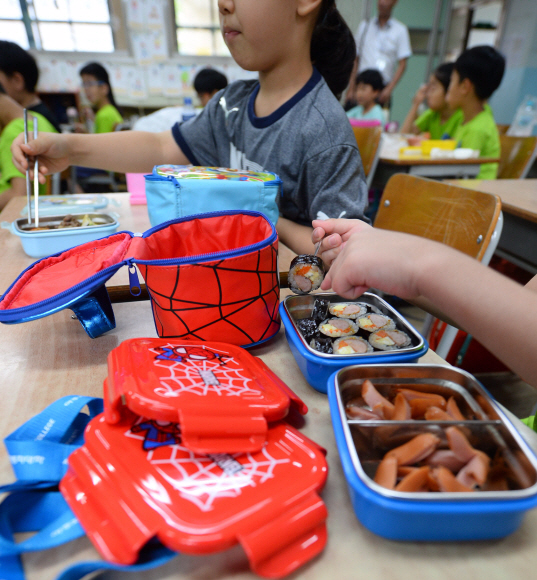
(134, 282)
(213, 255)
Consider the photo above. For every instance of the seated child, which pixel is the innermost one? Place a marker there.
(439, 120)
(369, 84)
(476, 75)
(417, 269)
(12, 181)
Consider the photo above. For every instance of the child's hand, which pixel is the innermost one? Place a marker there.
(374, 258)
(50, 148)
(419, 97)
(334, 233)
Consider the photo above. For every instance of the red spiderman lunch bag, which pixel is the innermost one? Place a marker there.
(210, 276)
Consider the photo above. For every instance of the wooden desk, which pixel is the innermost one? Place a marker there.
(518, 242)
(52, 357)
(424, 166)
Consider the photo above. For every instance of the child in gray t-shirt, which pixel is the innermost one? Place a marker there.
(307, 141)
(289, 122)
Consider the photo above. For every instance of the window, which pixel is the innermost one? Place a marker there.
(66, 25)
(198, 28)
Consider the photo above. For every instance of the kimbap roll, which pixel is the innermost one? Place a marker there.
(373, 321)
(320, 309)
(306, 273)
(389, 339)
(335, 327)
(348, 309)
(351, 345)
(322, 344)
(308, 328)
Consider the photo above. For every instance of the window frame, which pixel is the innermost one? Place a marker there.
(29, 23)
(214, 29)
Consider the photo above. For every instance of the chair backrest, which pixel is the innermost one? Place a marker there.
(517, 156)
(368, 140)
(502, 129)
(458, 217)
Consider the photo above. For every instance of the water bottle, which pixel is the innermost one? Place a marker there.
(525, 118)
(188, 109)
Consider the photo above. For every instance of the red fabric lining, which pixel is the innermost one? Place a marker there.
(54, 275)
(217, 234)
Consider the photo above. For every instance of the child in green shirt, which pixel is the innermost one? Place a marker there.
(98, 91)
(439, 120)
(477, 73)
(12, 181)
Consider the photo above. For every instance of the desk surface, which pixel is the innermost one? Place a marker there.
(394, 159)
(52, 357)
(519, 196)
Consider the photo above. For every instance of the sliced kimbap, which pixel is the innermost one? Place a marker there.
(322, 344)
(373, 321)
(335, 327)
(351, 345)
(389, 339)
(320, 309)
(308, 328)
(348, 309)
(306, 273)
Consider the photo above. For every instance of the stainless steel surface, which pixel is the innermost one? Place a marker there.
(36, 178)
(492, 432)
(28, 184)
(298, 307)
(100, 219)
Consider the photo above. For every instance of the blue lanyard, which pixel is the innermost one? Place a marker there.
(38, 451)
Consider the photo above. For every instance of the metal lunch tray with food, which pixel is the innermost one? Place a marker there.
(71, 203)
(492, 508)
(52, 236)
(318, 366)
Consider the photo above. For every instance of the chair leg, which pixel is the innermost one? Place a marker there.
(446, 342)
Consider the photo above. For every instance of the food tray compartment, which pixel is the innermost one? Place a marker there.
(45, 242)
(508, 460)
(495, 509)
(471, 399)
(316, 366)
(299, 307)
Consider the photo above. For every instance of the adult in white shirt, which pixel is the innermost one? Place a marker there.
(382, 43)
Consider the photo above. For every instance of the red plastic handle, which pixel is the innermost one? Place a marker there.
(289, 540)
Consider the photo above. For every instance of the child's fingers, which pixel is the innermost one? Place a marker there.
(327, 282)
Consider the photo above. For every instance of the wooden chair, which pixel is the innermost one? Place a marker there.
(469, 221)
(368, 140)
(516, 157)
(502, 129)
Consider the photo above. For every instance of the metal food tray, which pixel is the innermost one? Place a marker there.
(21, 225)
(492, 432)
(299, 307)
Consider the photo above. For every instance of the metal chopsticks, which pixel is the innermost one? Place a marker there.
(36, 173)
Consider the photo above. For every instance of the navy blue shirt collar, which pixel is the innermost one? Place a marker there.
(262, 122)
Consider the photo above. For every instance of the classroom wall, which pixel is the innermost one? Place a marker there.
(519, 45)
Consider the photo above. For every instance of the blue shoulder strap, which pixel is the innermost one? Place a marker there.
(38, 451)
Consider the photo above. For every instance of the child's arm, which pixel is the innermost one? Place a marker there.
(412, 267)
(125, 151)
(408, 124)
(295, 236)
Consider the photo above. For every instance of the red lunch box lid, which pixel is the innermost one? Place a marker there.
(134, 480)
(220, 394)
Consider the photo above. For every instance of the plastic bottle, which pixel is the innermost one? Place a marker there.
(188, 109)
(525, 118)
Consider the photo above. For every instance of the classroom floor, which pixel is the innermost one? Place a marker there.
(507, 388)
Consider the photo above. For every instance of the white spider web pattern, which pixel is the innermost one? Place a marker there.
(201, 480)
(200, 377)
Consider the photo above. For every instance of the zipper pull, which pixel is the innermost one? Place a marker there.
(134, 282)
